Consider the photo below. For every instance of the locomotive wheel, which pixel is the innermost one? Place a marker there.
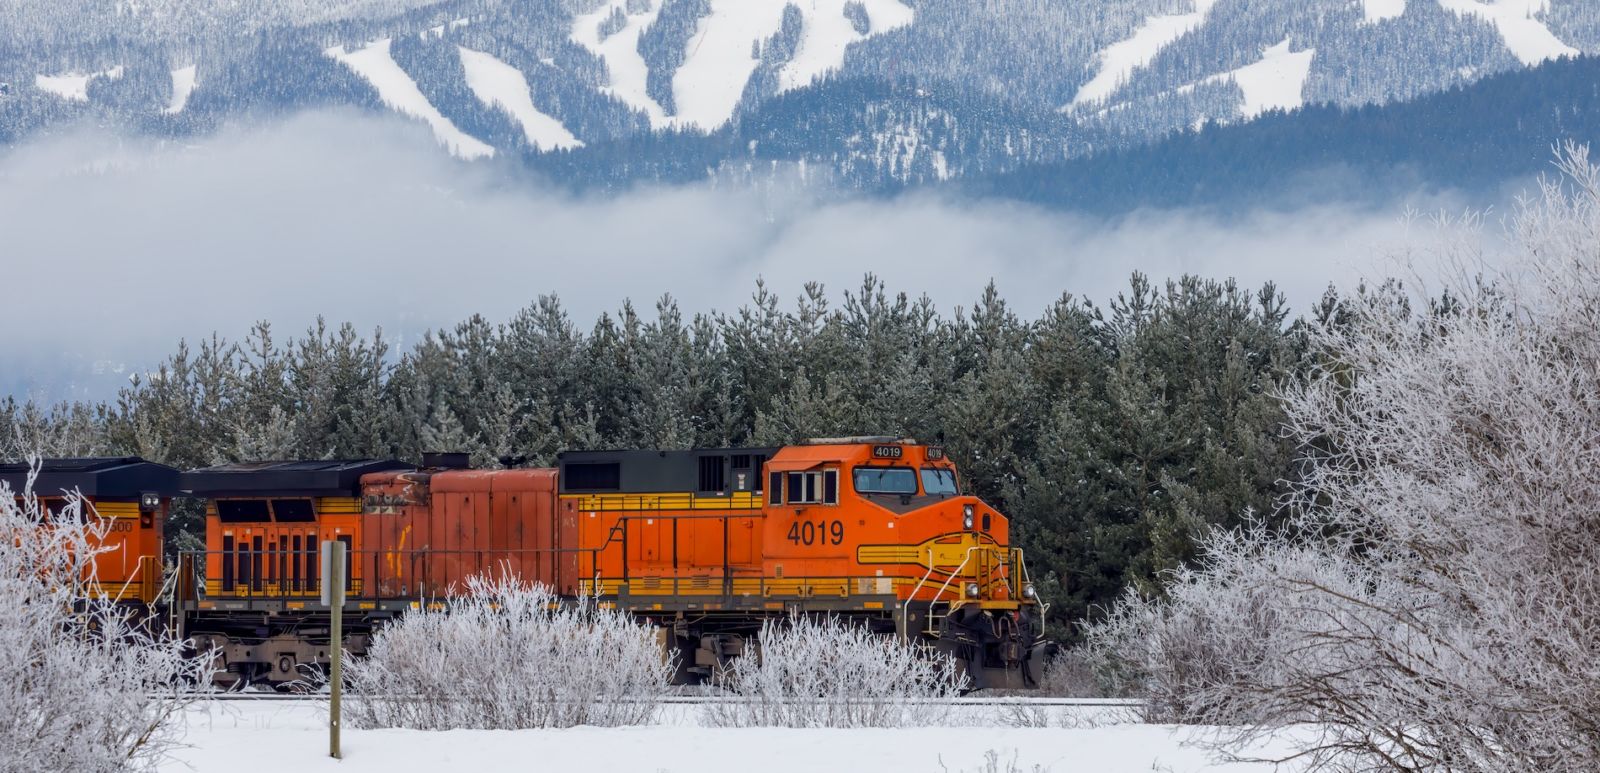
(684, 670)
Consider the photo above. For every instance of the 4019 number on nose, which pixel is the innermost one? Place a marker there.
(817, 532)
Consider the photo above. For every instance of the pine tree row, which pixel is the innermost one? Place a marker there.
(1113, 437)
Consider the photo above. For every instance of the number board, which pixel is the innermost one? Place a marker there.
(935, 452)
(887, 452)
(821, 533)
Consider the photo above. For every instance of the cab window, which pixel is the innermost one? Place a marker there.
(56, 509)
(885, 480)
(936, 481)
(813, 488)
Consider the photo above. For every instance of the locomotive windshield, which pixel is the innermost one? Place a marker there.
(885, 480)
(937, 481)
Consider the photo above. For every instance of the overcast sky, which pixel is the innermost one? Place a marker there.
(114, 249)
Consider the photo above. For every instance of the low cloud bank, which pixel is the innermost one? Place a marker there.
(113, 249)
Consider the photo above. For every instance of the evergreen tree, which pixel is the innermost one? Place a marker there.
(1112, 439)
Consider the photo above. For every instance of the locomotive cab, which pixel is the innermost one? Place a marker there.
(130, 497)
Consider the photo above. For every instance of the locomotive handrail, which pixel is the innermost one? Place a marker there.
(952, 575)
(421, 580)
(764, 584)
(1002, 567)
(947, 579)
(1027, 579)
(905, 615)
(617, 534)
(123, 587)
(659, 502)
(621, 526)
(195, 585)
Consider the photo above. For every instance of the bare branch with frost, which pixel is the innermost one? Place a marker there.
(89, 685)
(1435, 604)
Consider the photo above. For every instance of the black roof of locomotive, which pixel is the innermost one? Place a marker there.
(655, 472)
(310, 478)
(103, 477)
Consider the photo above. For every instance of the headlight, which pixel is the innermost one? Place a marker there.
(972, 590)
(1028, 592)
(966, 516)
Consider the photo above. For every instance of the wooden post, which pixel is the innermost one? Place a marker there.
(333, 558)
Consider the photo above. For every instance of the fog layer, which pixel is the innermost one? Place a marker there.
(114, 249)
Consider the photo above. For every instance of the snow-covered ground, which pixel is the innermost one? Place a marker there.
(712, 79)
(1528, 38)
(625, 66)
(499, 85)
(1382, 10)
(439, 30)
(1276, 82)
(183, 82)
(718, 60)
(73, 86)
(399, 92)
(1279, 78)
(828, 32)
(236, 737)
(1120, 59)
(719, 63)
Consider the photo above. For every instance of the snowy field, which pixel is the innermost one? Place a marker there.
(273, 736)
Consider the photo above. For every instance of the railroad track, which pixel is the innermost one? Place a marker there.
(697, 700)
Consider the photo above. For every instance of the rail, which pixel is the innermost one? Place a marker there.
(701, 700)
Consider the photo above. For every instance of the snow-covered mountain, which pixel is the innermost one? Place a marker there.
(899, 89)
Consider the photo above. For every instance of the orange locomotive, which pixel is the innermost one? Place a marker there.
(253, 591)
(703, 544)
(710, 542)
(130, 496)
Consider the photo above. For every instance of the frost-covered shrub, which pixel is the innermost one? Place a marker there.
(1434, 604)
(1199, 654)
(832, 673)
(1081, 672)
(83, 685)
(506, 655)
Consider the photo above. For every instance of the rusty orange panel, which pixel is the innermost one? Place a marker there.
(530, 529)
